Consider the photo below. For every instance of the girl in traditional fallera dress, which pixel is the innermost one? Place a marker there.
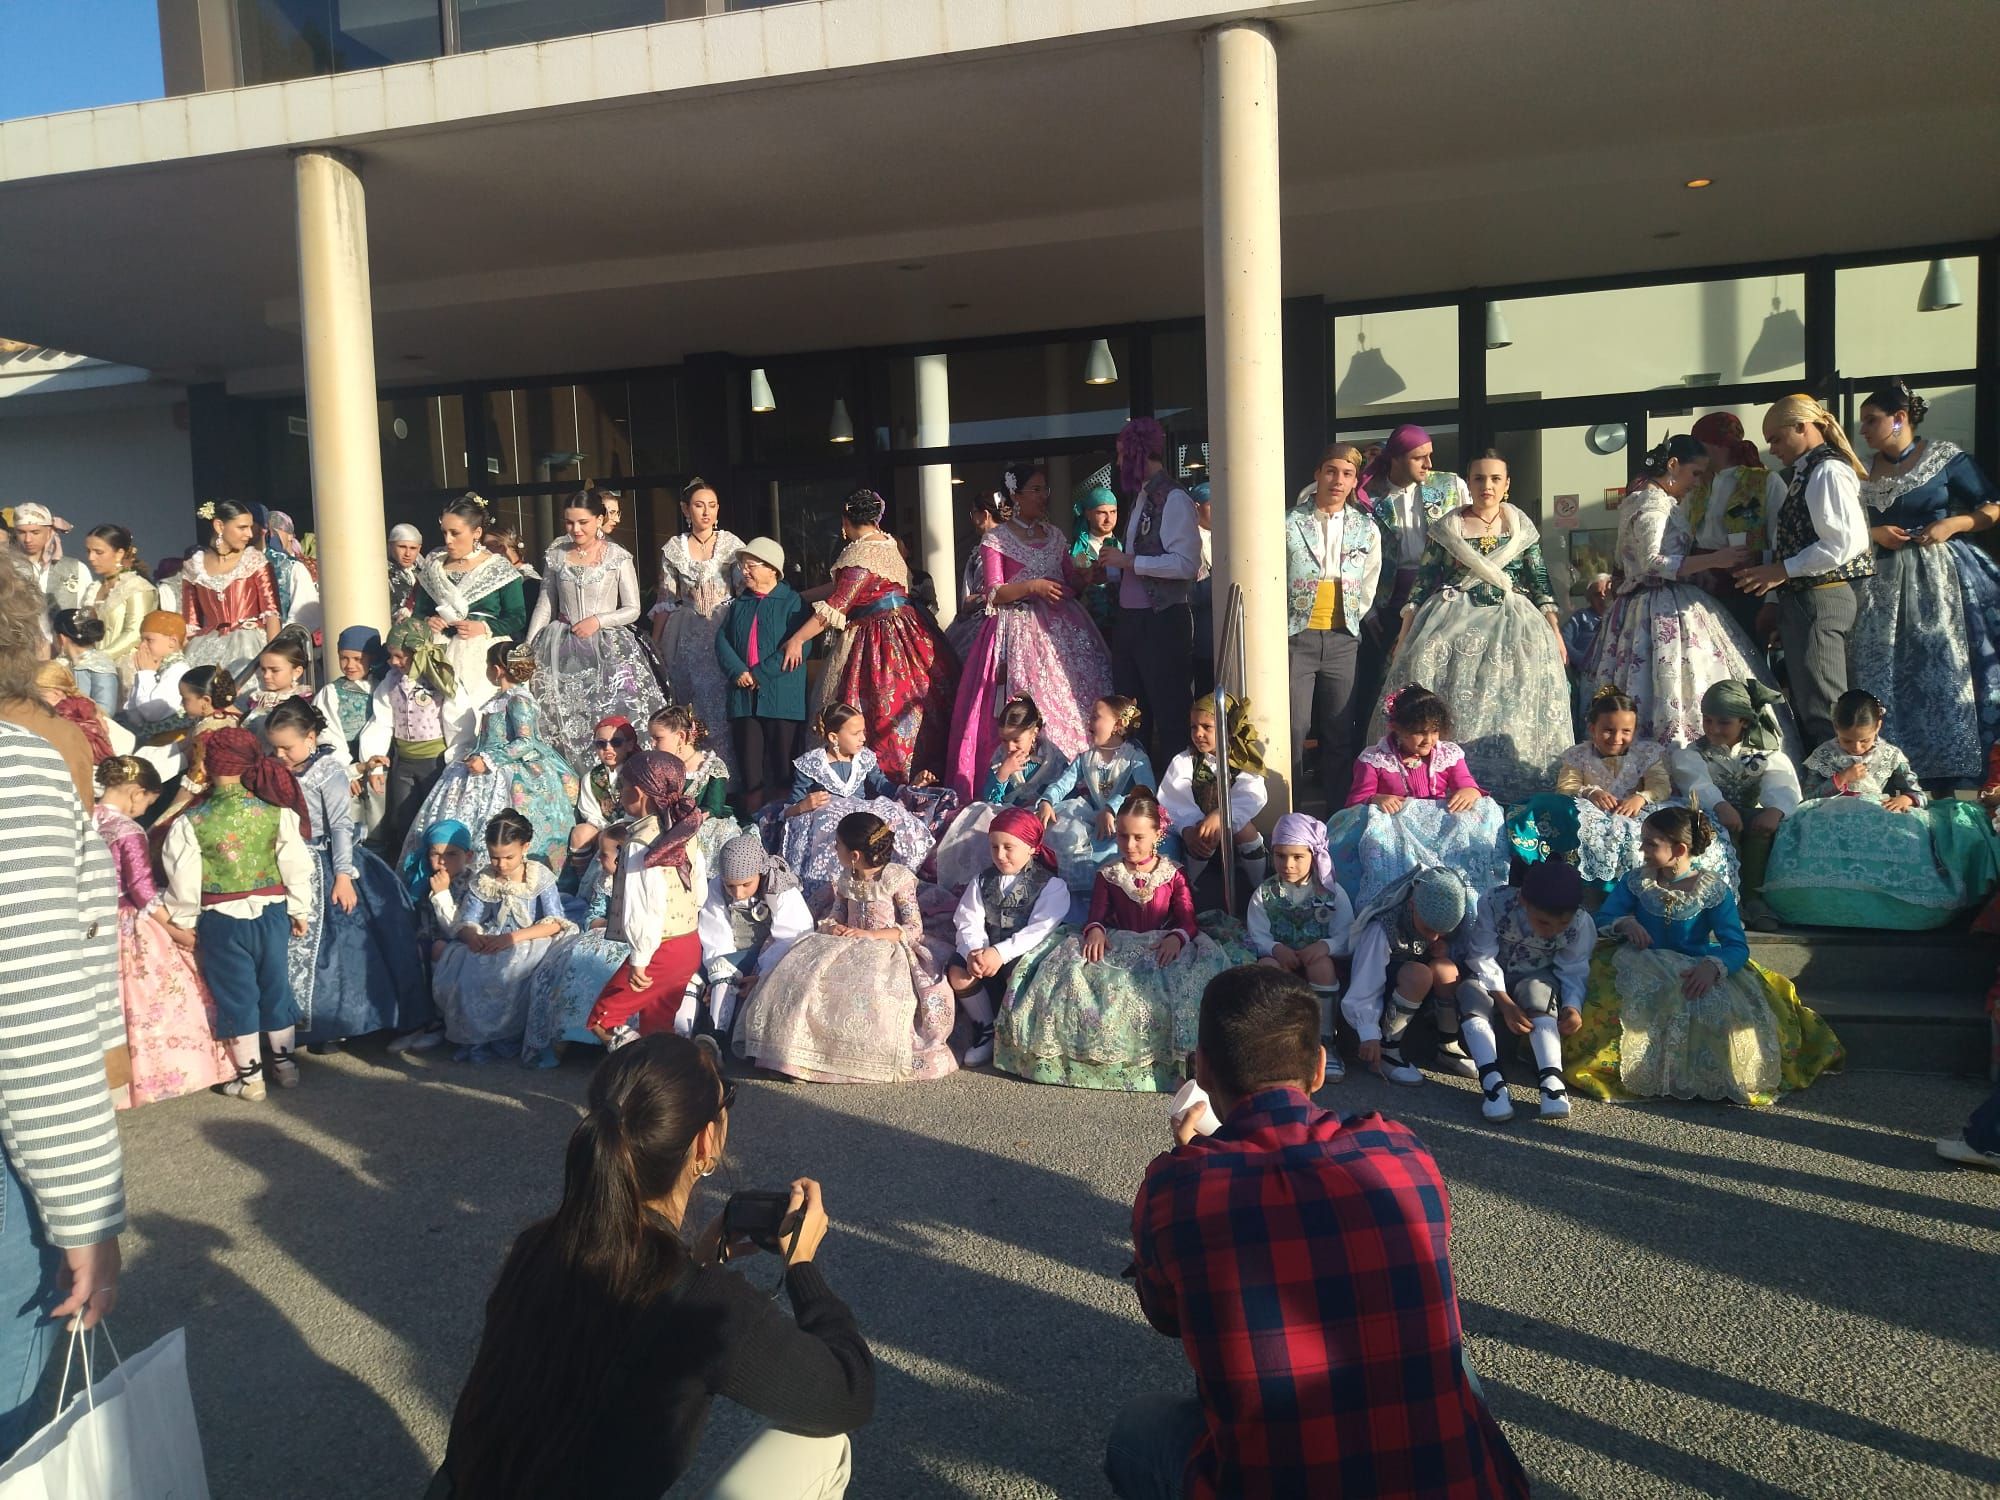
(1526, 964)
(510, 917)
(753, 914)
(406, 733)
(1301, 921)
(987, 512)
(1407, 945)
(228, 596)
(1679, 1010)
(510, 765)
(889, 661)
(1481, 630)
(1191, 792)
(1026, 770)
(1414, 802)
(1604, 788)
(662, 881)
(208, 702)
(579, 965)
(1865, 850)
(123, 595)
(588, 662)
(839, 778)
(679, 731)
(56, 685)
(1115, 1005)
(504, 541)
(349, 706)
(357, 967)
(1738, 773)
(1083, 831)
(1006, 911)
(240, 878)
(1664, 642)
(863, 999)
(698, 578)
(169, 1014)
(467, 598)
(283, 674)
(437, 890)
(1926, 637)
(1037, 641)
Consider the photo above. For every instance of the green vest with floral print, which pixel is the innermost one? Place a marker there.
(238, 837)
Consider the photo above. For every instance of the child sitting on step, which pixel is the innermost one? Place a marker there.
(1301, 921)
(1005, 911)
(1191, 792)
(1738, 773)
(1527, 961)
(1407, 944)
(755, 911)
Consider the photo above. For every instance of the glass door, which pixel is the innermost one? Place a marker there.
(1568, 479)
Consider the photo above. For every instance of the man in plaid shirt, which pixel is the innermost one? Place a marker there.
(1302, 1261)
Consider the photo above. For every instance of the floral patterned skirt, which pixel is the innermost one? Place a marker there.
(535, 782)
(1604, 846)
(1373, 849)
(808, 845)
(852, 1010)
(1850, 862)
(1051, 652)
(582, 679)
(355, 972)
(565, 986)
(1747, 1040)
(483, 997)
(169, 1015)
(1924, 643)
(687, 651)
(1667, 644)
(1078, 847)
(896, 668)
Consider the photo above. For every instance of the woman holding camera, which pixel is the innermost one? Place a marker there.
(609, 1332)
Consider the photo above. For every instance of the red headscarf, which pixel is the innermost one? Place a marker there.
(1025, 826)
(1720, 429)
(235, 752)
(663, 778)
(82, 712)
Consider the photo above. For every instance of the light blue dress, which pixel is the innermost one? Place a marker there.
(807, 843)
(570, 978)
(523, 772)
(484, 996)
(965, 852)
(1093, 784)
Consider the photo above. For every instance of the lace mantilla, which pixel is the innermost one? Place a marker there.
(248, 561)
(1674, 904)
(818, 764)
(514, 900)
(1880, 494)
(1620, 775)
(1140, 885)
(1384, 756)
(608, 561)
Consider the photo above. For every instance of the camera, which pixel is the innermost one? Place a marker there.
(765, 1219)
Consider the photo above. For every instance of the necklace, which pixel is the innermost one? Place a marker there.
(1897, 460)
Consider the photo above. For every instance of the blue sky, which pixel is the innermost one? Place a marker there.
(74, 54)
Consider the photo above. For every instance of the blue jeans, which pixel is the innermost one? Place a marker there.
(99, 687)
(1147, 1454)
(28, 1268)
(243, 960)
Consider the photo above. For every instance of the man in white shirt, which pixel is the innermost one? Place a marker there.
(64, 581)
(1819, 536)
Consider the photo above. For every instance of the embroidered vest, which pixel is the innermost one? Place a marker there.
(238, 838)
(1296, 921)
(1161, 593)
(1522, 949)
(1796, 531)
(1008, 912)
(749, 924)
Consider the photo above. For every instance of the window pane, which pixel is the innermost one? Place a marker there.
(423, 443)
(1950, 415)
(1444, 442)
(1180, 381)
(1025, 394)
(1878, 324)
(1398, 361)
(284, 39)
(800, 429)
(656, 425)
(1547, 463)
(507, 23)
(1649, 338)
(532, 437)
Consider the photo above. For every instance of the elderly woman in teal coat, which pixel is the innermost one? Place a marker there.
(766, 702)
(1333, 562)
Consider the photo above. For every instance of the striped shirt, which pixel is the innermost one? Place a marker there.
(59, 1005)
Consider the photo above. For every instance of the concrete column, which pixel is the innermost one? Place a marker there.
(934, 504)
(336, 326)
(1246, 385)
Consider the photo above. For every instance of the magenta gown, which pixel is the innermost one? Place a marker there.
(1050, 651)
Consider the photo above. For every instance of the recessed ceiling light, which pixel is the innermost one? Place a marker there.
(1698, 182)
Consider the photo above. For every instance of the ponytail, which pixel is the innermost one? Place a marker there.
(1803, 410)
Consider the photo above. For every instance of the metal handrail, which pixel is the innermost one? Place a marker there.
(1232, 634)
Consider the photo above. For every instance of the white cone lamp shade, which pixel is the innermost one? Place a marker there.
(841, 429)
(1498, 334)
(1100, 368)
(761, 398)
(1940, 293)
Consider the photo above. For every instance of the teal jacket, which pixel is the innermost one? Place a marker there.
(779, 694)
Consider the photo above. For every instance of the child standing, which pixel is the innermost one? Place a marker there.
(1406, 949)
(1082, 833)
(1866, 851)
(1026, 771)
(1738, 773)
(1006, 912)
(169, 1014)
(579, 965)
(511, 914)
(1191, 792)
(240, 878)
(829, 783)
(755, 911)
(660, 885)
(407, 731)
(1527, 960)
(766, 697)
(348, 705)
(1414, 803)
(281, 674)
(1681, 1012)
(863, 999)
(1115, 1006)
(1301, 921)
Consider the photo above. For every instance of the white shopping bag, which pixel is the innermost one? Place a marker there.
(127, 1436)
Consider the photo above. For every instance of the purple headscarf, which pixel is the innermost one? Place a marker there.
(1405, 439)
(1301, 831)
(1139, 441)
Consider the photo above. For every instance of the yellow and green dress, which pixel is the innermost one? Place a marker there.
(1747, 1040)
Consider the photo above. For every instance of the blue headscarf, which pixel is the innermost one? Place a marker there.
(367, 640)
(449, 832)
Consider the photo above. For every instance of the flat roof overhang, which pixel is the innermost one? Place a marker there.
(846, 172)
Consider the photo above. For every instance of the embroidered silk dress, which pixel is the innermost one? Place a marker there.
(1565, 824)
(488, 591)
(694, 591)
(580, 679)
(1480, 638)
(521, 771)
(225, 611)
(806, 842)
(1372, 849)
(851, 1009)
(1926, 637)
(707, 787)
(1097, 782)
(965, 851)
(1747, 1040)
(888, 659)
(357, 971)
(1049, 650)
(169, 1014)
(483, 997)
(122, 602)
(1844, 860)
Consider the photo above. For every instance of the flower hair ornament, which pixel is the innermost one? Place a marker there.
(205, 511)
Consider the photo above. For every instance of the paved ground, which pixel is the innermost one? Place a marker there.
(1662, 1301)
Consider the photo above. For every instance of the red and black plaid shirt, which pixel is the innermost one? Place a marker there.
(1302, 1261)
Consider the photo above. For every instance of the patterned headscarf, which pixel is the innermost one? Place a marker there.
(1139, 442)
(447, 831)
(1303, 831)
(1019, 823)
(1404, 440)
(235, 752)
(1749, 700)
(1721, 429)
(1440, 899)
(663, 779)
(429, 664)
(745, 858)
